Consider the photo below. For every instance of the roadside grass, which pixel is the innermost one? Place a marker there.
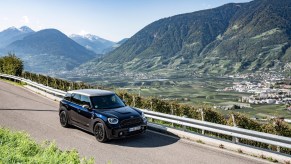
(12, 82)
(18, 147)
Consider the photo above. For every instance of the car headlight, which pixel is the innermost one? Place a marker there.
(112, 120)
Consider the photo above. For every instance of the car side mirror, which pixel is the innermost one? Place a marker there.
(86, 106)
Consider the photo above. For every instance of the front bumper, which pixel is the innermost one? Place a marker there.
(116, 133)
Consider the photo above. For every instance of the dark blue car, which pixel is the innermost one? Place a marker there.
(102, 113)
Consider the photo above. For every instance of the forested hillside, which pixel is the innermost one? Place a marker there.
(244, 37)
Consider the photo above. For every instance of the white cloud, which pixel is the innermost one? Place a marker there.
(25, 20)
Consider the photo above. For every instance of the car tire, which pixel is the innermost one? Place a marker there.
(64, 119)
(100, 132)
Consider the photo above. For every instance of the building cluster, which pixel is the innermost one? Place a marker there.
(262, 93)
(259, 75)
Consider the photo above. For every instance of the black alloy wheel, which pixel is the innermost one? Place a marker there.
(100, 133)
(64, 119)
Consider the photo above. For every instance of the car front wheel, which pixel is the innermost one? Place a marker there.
(100, 133)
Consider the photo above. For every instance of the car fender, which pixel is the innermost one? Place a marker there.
(95, 121)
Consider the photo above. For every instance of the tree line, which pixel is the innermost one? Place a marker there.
(12, 65)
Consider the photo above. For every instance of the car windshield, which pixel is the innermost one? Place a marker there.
(107, 102)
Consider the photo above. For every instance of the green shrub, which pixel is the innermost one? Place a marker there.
(277, 127)
(11, 64)
(244, 122)
(18, 147)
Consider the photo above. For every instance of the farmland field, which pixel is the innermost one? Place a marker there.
(204, 91)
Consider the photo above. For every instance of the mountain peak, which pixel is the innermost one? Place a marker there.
(12, 34)
(90, 37)
(25, 29)
(12, 28)
(93, 42)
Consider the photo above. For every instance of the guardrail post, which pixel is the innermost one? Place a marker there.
(202, 118)
(278, 149)
(133, 100)
(64, 87)
(184, 127)
(172, 113)
(234, 139)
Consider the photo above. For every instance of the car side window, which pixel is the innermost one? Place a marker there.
(76, 98)
(68, 96)
(85, 100)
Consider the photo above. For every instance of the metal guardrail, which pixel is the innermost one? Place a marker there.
(47, 89)
(234, 132)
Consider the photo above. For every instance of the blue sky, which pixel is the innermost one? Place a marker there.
(109, 19)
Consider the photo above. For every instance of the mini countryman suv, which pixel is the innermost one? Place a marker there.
(102, 113)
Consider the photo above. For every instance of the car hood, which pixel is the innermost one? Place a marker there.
(121, 113)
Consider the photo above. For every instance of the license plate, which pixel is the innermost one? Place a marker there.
(134, 128)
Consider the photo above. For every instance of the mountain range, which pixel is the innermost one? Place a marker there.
(236, 37)
(49, 50)
(12, 34)
(94, 43)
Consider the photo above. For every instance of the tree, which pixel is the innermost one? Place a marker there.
(12, 65)
(1, 65)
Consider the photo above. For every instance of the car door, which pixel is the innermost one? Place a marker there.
(75, 108)
(85, 115)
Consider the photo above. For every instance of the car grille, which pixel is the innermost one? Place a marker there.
(131, 122)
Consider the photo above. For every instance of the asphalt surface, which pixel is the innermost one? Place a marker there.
(23, 110)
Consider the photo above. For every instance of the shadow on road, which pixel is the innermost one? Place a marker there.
(150, 139)
(37, 110)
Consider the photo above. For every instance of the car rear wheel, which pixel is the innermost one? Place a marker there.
(64, 119)
(100, 133)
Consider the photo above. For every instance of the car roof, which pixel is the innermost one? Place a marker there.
(92, 92)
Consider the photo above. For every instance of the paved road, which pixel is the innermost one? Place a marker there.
(23, 110)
